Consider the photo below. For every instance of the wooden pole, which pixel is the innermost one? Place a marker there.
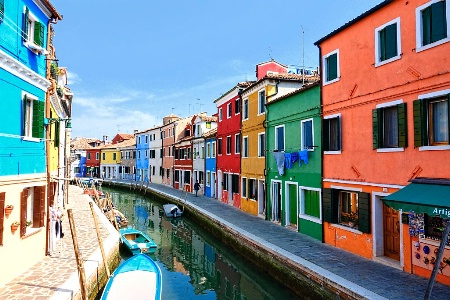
(109, 203)
(438, 261)
(100, 241)
(80, 263)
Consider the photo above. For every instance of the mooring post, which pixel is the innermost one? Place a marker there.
(99, 238)
(80, 263)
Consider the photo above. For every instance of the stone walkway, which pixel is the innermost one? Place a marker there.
(56, 276)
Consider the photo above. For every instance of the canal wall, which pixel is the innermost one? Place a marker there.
(290, 270)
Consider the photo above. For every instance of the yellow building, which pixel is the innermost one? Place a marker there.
(270, 85)
(110, 161)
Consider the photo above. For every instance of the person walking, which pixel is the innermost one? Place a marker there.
(196, 187)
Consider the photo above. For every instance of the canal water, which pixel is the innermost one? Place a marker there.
(194, 264)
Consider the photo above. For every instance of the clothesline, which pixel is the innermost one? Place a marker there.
(292, 150)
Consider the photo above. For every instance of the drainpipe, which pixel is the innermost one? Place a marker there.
(321, 128)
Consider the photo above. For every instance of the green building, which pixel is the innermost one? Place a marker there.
(294, 161)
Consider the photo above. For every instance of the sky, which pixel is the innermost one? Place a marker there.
(130, 63)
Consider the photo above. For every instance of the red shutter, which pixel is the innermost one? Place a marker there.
(23, 211)
(38, 206)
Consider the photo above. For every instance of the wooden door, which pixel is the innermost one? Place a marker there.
(391, 225)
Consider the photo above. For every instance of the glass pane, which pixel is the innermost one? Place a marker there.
(390, 127)
(307, 135)
(280, 138)
(334, 134)
(440, 122)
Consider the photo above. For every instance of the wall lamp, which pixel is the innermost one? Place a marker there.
(49, 121)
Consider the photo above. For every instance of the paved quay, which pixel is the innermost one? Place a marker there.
(364, 277)
(55, 277)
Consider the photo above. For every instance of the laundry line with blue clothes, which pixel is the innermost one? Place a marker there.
(287, 159)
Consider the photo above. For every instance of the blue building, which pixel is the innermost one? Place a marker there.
(142, 155)
(210, 164)
(24, 36)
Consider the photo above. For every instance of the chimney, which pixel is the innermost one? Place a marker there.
(105, 139)
(135, 131)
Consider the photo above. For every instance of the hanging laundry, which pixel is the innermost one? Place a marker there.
(279, 160)
(290, 159)
(303, 155)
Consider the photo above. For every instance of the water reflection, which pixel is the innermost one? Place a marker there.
(194, 264)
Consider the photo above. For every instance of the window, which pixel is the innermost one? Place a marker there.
(114, 156)
(389, 126)
(261, 144)
(139, 139)
(2, 12)
(228, 145)
(245, 146)
(187, 177)
(146, 139)
(310, 203)
(220, 114)
(103, 156)
(202, 153)
(208, 178)
(431, 121)
(146, 153)
(33, 32)
(32, 208)
(237, 143)
(244, 187)
(237, 106)
(432, 21)
(208, 151)
(279, 138)
(332, 133)
(387, 42)
(235, 184)
(213, 149)
(261, 102)
(153, 170)
(252, 189)
(177, 176)
(208, 125)
(89, 156)
(219, 146)
(245, 110)
(229, 110)
(33, 117)
(331, 65)
(97, 156)
(307, 135)
(348, 208)
(152, 153)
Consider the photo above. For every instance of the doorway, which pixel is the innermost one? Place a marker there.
(391, 224)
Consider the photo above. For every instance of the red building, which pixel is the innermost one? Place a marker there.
(93, 161)
(183, 161)
(228, 156)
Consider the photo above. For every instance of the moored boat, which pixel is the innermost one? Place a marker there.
(172, 211)
(139, 277)
(137, 241)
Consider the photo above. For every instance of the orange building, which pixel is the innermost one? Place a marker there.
(385, 99)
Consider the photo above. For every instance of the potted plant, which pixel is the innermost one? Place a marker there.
(8, 209)
(29, 223)
(14, 226)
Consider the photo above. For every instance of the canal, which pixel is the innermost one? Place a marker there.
(194, 264)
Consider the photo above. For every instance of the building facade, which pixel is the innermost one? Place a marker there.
(210, 183)
(388, 135)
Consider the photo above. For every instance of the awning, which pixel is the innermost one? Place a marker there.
(433, 199)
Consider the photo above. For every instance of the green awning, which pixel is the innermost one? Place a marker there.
(433, 199)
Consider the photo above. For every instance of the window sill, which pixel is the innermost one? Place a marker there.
(31, 231)
(343, 227)
(384, 62)
(384, 150)
(331, 81)
(432, 45)
(31, 139)
(431, 148)
(310, 218)
(333, 152)
(35, 48)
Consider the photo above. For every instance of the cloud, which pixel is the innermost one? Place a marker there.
(73, 78)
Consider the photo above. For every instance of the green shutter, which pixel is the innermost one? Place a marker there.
(326, 135)
(402, 126)
(39, 34)
(2, 9)
(57, 129)
(38, 119)
(418, 123)
(332, 67)
(330, 202)
(426, 26)
(438, 22)
(25, 24)
(364, 212)
(391, 41)
(375, 128)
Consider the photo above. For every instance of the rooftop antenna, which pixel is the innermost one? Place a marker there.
(118, 128)
(303, 54)
(173, 109)
(270, 53)
(199, 103)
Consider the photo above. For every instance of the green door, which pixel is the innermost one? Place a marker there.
(293, 204)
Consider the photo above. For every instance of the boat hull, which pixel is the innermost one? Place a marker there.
(137, 242)
(139, 277)
(172, 211)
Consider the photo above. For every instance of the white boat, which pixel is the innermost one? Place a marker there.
(172, 211)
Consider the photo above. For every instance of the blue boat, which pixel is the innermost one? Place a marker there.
(139, 277)
(137, 241)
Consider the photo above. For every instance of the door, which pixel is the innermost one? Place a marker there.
(391, 226)
(292, 204)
